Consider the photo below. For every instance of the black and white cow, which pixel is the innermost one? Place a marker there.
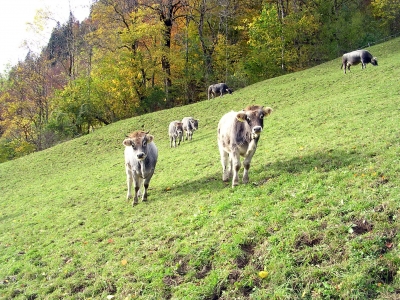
(175, 132)
(356, 57)
(218, 89)
(189, 125)
(238, 134)
(140, 161)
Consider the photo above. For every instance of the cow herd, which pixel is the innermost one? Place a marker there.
(237, 135)
(179, 130)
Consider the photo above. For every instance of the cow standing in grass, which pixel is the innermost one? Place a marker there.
(218, 89)
(140, 161)
(238, 134)
(356, 57)
(175, 132)
(189, 125)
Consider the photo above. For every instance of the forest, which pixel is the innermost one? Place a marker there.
(132, 57)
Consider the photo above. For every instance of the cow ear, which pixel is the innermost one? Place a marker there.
(150, 138)
(267, 110)
(127, 143)
(241, 117)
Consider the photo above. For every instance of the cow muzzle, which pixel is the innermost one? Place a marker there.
(255, 132)
(141, 156)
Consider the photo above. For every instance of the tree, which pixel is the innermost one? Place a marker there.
(388, 12)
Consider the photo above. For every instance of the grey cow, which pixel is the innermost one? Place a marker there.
(140, 161)
(189, 126)
(238, 134)
(356, 57)
(218, 89)
(175, 132)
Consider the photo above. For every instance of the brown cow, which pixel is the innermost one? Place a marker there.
(140, 161)
(238, 134)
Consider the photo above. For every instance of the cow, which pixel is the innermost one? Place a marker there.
(140, 161)
(238, 134)
(175, 132)
(218, 89)
(189, 125)
(356, 57)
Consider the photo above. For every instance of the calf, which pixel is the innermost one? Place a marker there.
(238, 134)
(175, 132)
(140, 161)
(219, 88)
(189, 125)
(356, 57)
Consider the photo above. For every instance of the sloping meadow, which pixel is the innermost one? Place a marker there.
(319, 218)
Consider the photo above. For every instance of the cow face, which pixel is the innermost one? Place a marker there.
(374, 61)
(254, 117)
(138, 140)
(194, 123)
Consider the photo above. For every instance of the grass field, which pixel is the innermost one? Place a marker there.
(318, 220)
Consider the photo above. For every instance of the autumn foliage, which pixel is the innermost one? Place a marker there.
(133, 57)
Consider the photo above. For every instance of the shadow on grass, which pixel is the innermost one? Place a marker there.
(317, 162)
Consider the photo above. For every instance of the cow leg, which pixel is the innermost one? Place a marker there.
(226, 169)
(137, 187)
(129, 181)
(170, 142)
(246, 164)
(235, 162)
(143, 184)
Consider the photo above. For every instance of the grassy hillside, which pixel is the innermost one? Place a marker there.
(320, 217)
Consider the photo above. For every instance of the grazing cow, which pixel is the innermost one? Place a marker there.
(218, 89)
(175, 132)
(140, 161)
(238, 134)
(356, 57)
(189, 126)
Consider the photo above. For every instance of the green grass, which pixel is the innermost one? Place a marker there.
(320, 214)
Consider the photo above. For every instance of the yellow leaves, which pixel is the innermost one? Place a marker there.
(263, 274)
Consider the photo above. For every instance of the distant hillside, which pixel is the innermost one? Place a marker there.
(318, 220)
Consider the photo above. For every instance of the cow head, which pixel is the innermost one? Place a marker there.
(138, 140)
(229, 91)
(374, 61)
(194, 124)
(254, 115)
(179, 128)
